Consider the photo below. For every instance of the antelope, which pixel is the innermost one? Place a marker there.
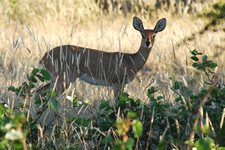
(66, 63)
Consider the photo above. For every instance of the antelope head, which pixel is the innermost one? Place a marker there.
(148, 36)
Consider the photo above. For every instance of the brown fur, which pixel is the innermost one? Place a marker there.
(97, 67)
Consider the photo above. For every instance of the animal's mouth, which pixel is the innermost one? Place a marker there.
(148, 45)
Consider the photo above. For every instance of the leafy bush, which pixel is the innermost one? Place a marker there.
(129, 124)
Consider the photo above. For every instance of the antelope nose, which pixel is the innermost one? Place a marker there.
(147, 42)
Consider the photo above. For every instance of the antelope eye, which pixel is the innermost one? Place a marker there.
(153, 36)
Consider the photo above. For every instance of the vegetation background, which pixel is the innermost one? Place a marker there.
(29, 28)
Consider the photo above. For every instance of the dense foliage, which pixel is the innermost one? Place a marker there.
(129, 124)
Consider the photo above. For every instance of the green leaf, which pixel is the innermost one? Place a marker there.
(106, 139)
(52, 93)
(33, 79)
(35, 71)
(4, 144)
(174, 111)
(178, 99)
(196, 65)
(41, 78)
(72, 148)
(129, 144)
(194, 52)
(46, 74)
(194, 58)
(12, 88)
(201, 67)
(124, 97)
(37, 101)
(118, 145)
(177, 84)
(24, 106)
(28, 76)
(181, 108)
(214, 65)
(215, 91)
(132, 114)
(163, 144)
(17, 145)
(31, 85)
(220, 135)
(221, 148)
(53, 104)
(205, 143)
(122, 104)
(103, 104)
(151, 90)
(159, 97)
(137, 128)
(206, 130)
(204, 58)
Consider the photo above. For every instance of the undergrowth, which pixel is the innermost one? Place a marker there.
(197, 120)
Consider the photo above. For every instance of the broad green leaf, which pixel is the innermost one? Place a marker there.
(41, 78)
(52, 93)
(17, 145)
(205, 143)
(122, 104)
(177, 84)
(159, 97)
(178, 99)
(31, 85)
(204, 58)
(35, 71)
(206, 130)
(215, 91)
(129, 144)
(38, 101)
(11, 88)
(194, 52)
(201, 67)
(196, 65)
(174, 111)
(28, 76)
(132, 114)
(194, 58)
(46, 74)
(4, 143)
(53, 104)
(72, 148)
(163, 144)
(103, 104)
(33, 79)
(151, 90)
(137, 128)
(124, 97)
(106, 139)
(119, 145)
(214, 65)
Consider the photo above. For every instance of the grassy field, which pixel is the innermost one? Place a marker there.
(38, 26)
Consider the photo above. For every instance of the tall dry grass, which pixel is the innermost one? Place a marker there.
(38, 26)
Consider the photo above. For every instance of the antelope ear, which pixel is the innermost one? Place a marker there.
(137, 23)
(160, 25)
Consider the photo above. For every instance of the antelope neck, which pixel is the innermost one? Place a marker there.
(140, 57)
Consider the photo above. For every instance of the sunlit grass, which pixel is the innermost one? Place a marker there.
(40, 26)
